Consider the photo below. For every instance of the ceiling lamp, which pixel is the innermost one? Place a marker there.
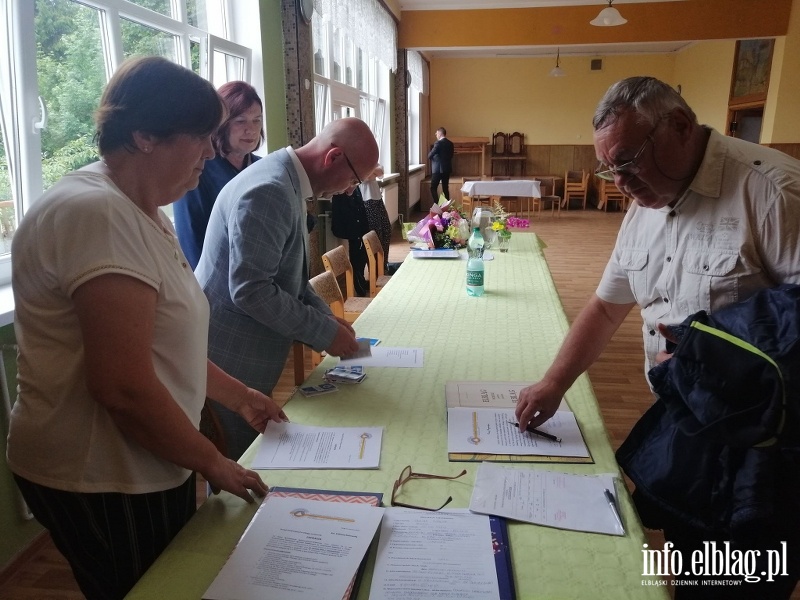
(609, 17)
(557, 71)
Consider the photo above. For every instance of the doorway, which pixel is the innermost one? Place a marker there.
(745, 123)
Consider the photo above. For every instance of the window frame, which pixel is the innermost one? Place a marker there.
(19, 87)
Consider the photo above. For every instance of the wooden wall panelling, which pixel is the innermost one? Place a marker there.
(792, 150)
(561, 158)
(538, 160)
(466, 164)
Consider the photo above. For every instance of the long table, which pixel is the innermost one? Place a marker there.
(527, 189)
(510, 334)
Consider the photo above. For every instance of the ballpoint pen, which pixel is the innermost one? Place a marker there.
(544, 434)
(612, 503)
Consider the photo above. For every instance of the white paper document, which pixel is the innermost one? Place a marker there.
(551, 498)
(294, 446)
(445, 554)
(388, 357)
(493, 431)
(443, 253)
(296, 549)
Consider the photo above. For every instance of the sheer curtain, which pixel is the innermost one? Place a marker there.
(419, 71)
(367, 23)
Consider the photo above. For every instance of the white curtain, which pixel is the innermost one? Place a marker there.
(367, 23)
(418, 68)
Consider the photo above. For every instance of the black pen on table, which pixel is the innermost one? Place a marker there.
(544, 434)
(612, 503)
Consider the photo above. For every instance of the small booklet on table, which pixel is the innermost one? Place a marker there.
(292, 527)
(481, 427)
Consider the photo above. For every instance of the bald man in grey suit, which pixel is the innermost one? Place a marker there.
(255, 265)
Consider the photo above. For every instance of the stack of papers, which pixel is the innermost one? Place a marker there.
(298, 548)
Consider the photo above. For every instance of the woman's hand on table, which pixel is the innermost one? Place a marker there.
(259, 409)
(537, 403)
(226, 474)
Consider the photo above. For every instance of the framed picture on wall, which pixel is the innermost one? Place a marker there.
(751, 68)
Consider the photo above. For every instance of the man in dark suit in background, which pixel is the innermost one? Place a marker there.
(441, 157)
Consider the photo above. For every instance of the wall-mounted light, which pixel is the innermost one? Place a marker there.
(557, 71)
(608, 17)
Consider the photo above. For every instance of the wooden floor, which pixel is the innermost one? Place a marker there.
(578, 245)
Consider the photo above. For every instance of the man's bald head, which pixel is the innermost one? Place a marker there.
(342, 155)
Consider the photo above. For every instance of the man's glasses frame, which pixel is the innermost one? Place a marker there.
(407, 475)
(349, 164)
(628, 168)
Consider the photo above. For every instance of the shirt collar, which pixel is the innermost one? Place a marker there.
(305, 183)
(708, 179)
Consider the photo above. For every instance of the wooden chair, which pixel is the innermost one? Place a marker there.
(499, 150)
(609, 192)
(337, 262)
(327, 288)
(516, 151)
(547, 187)
(375, 259)
(576, 185)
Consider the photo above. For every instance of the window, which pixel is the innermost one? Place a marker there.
(54, 64)
(358, 84)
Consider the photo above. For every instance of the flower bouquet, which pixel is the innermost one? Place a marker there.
(445, 226)
(501, 224)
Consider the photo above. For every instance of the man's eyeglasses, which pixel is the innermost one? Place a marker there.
(407, 474)
(349, 164)
(626, 169)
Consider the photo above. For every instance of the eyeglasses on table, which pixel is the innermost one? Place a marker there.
(407, 475)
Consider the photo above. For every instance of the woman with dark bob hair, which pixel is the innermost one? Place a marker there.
(112, 329)
(234, 142)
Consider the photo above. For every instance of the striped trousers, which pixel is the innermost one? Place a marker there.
(110, 539)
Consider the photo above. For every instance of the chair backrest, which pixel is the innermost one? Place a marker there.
(499, 143)
(337, 262)
(575, 178)
(516, 143)
(374, 248)
(548, 182)
(501, 178)
(327, 288)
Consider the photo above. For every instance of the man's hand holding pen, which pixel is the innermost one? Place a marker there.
(537, 403)
(539, 432)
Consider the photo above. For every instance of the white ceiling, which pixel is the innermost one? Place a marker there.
(526, 51)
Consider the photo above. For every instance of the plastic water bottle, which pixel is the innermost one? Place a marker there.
(475, 263)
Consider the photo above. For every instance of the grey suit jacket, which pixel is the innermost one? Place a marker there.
(254, 271)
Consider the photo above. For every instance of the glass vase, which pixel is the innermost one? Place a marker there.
(503, 243)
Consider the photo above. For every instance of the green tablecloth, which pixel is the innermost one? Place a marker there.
(511, 333)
